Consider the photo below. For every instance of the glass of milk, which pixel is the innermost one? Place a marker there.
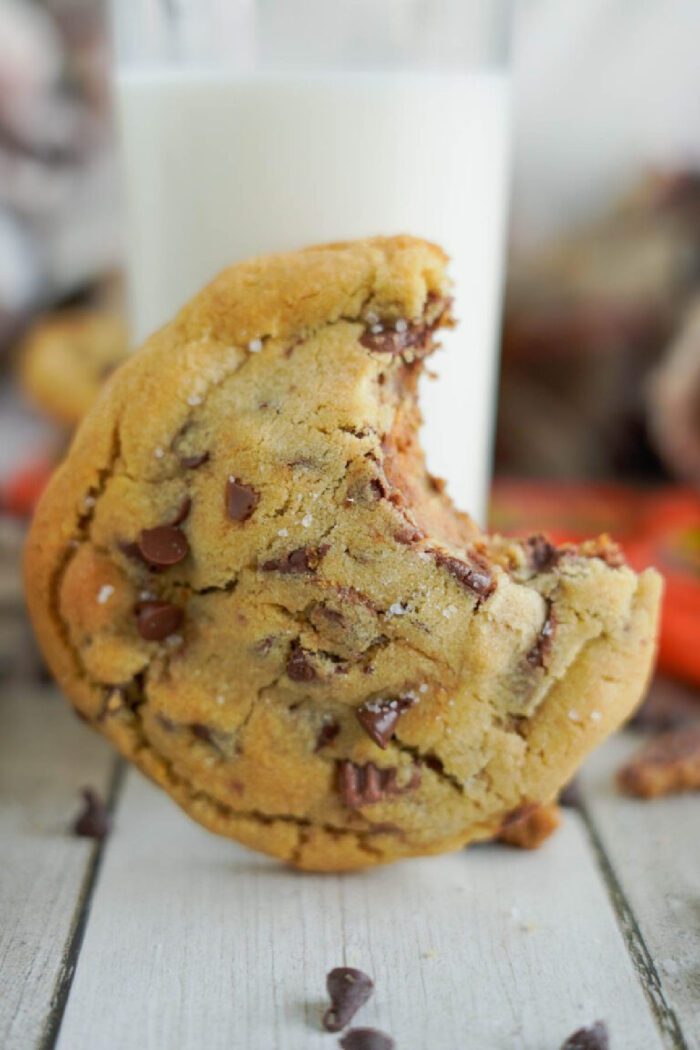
(251, 126)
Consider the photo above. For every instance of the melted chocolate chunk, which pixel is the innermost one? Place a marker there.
(299, 667)
(163, 546)
(326, 735)
(595, 1037)
(394, 337)
(366, 1039)
(156, 620)
(364, 785)
(349, 989)
(303, 559)
(541, 651)
(541, 554)
(474, 575)
(94, 822)
(379, 718)
(192, 462)
(241, 500)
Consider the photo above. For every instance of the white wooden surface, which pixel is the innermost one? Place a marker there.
(654, 851)
(45, 757)
(212, 946)
(192, 942)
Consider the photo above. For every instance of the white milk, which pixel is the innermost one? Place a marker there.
(220, 167)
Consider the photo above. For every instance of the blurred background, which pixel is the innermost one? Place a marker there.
(599, 399)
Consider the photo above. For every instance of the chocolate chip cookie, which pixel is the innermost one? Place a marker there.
(245, 577)
(66, 359)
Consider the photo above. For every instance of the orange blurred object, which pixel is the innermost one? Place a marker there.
(658, 527)
(19, 495)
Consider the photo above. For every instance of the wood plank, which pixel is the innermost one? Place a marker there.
(45, 757)
(194, 942)
(654, 850)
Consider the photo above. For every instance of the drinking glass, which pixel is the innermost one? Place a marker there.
(250, 126)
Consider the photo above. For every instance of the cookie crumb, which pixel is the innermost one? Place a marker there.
(530, 825)
(349, 989)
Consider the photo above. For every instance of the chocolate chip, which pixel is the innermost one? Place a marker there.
(366, 1039)
(541, 651)
(348, 989)
(379, 718)
(595, 1037)
(541, 554)
(241, 500)
(192, 462)
(299, 667)
(473, 575)
(156, 620)
(94, 822)
(185, 508)
(163, 546)
(303, 559)
(326, 735)
(202, 732)
(570, 795)
(364, 785)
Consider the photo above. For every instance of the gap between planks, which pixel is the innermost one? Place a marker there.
(69, 962)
